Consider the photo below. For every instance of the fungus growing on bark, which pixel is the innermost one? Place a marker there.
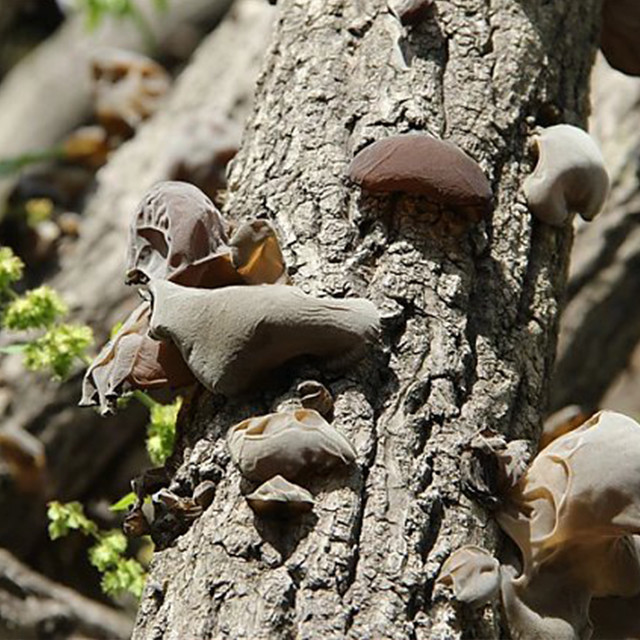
(619, 39)
(279, 497)
(473, 574)
(174, 227)
(314, 395)
(232, 335)
(573, 515)
(411, 12)
(291, 444)
(127, 89)
(132, 360)
(203, 493)
(561, 422)
(570, 176)
(422, 165)
(178, 234)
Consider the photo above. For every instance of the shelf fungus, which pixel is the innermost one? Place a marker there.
(178, 234)
(569, 177)
(575, 517)
(231, 336)
(127, 88)
(421, 165)
(132, 360)
(619, 39)
(290, 443)
(279, 497)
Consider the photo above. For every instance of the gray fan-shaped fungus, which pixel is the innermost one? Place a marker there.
(132, 360)
(422, 165)
(279, 497)
(573, 515)
(231, 336)
(473, 574)
(619, 39)
(570, 176)
(127, 88)
(290, 443)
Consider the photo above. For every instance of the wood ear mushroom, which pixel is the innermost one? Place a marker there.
(291, 444)
(231, 336)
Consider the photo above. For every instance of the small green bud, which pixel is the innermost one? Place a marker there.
(11, 268)
(37, 309)
(57, 349)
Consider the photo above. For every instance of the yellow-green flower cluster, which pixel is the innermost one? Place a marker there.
(11, 268)
(37, 309)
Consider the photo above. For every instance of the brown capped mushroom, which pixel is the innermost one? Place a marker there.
(177, 233)
(422, 165)
(570, 176)
(619, 39)
(473, 574)
(279, 497)
(289, 443)
(127, 88)
(232, 335)
(132, 360)
(174, 227)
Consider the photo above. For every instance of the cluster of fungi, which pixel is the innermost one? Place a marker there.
(220, 311)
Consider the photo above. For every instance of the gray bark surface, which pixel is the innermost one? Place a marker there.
(470, 318)
(600, 326)
(31, 606)
(91, 280)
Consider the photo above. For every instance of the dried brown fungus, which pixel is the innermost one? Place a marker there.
(289, 443)
(127, 89)
(231, 336)
(422, 165)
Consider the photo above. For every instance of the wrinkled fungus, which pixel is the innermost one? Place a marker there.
(290, 444)
(279, 497)
(473, 574)
(570, 176)
(127, 89)
(422, 165)
(132, 360)
(231, 336)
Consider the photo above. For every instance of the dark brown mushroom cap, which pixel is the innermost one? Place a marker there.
(422, 165)
(620, 37)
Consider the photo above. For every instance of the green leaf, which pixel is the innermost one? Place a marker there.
(11, 268)
(124, 503)
(107, 552)
(14, 348)
(64, 517)
(161, 431)
(127, 575)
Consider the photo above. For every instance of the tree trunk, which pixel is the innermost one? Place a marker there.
(470, 318)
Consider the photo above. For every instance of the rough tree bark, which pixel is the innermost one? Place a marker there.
(470, 318)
